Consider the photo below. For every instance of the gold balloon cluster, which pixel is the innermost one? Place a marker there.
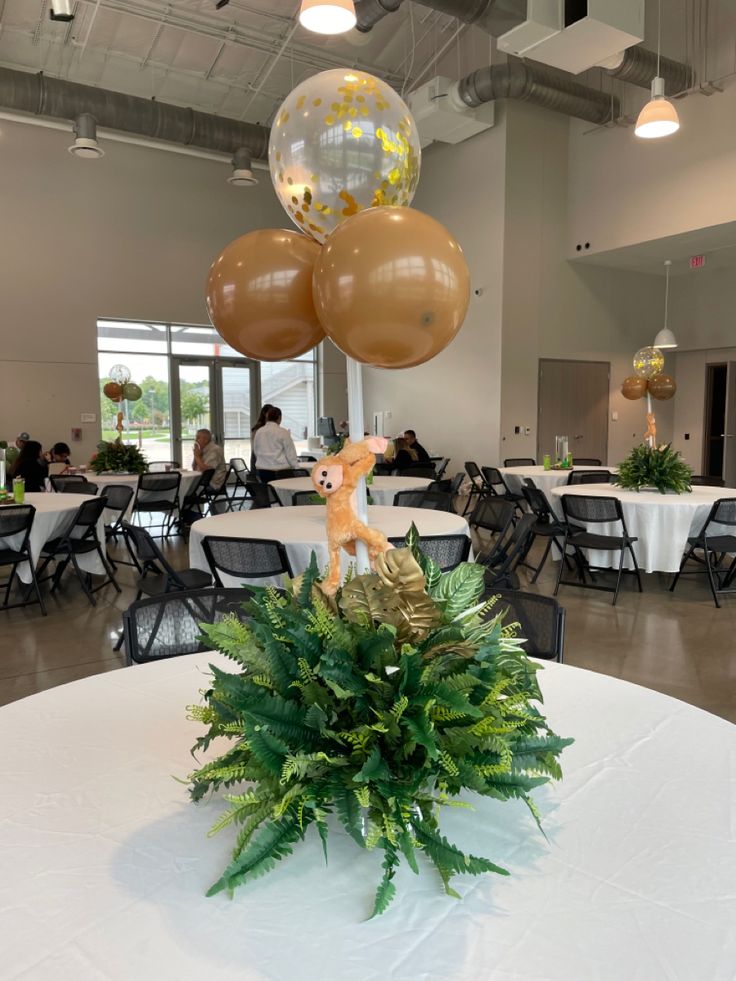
(121, 389)
(390, 286)
(648, 363)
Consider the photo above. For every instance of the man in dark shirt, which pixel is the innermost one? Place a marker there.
(411, 438)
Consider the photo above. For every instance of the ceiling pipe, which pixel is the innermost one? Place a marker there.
(638, 66)
(542, 86)
(42, 95)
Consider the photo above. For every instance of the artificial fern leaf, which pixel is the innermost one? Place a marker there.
(272, 844)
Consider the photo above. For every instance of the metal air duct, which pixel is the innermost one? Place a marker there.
(44, 96)
(638, 66)
(493, 16)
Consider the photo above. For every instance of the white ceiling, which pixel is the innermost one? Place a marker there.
(240, 61)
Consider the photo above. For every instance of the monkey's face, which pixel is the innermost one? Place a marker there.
(327, 479)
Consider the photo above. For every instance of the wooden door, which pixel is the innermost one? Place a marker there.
(729, 430)
(573, 402)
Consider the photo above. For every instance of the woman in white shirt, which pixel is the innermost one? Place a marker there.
(274, 448)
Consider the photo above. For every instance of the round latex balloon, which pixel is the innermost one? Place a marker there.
(113, 391)
(391, 287)
(132, 392)
(259, 295)
(648, 362)
(342, 141)
(662, 387)
(120, 374)
(634, 388)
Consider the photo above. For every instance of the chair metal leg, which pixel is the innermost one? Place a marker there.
(711, 577)
(544, 559)
(108, 569)
(685, 558)
(637, 570)
(82, 579)
(562, 566)
(618, 578)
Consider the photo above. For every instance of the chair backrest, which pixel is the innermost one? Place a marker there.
(493, 479)
(592, 510)
(442, 466)
(61, 480)
(418, 470)
(723, 512)
(520, 461)
(86, 518)
(150, 556)
(492, 514)
(586, 461)
(473, 471)
(504, 558)
(78, 487)
(239, 471)
(430, 500)
(118, 497)
(590, 477)
(300, 498)
(456, 483)
(194, 489)
(158, 487)
(158, 465)
(263, 495)
(447, 551)
(701, 480)
(16, 519)
(248, 558)
(538, 503)
(528, 482)
(541, 621)
(300, 472)
(169, 625)
(383, 469)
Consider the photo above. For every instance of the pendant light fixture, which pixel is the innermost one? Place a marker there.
(665, 338)
(658, 117)
(327, 16)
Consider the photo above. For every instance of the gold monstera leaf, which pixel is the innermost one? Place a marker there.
(399, 569)
(366, 598)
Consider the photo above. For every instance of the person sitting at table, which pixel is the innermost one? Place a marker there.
(274, 448)
(30, 466)
(411, 438)
(58, 458)
(11, 454)
(209, 456)
(405, 458)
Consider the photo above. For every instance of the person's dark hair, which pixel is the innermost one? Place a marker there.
(410, 432)
(29, 453)
(261, 420)
(273, 414)
(60, 449)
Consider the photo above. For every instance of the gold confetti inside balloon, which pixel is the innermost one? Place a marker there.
(648, 362)
(341, 142)
(120, 373)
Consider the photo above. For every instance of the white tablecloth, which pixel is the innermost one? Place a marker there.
(131, 480)
(302, 531)
(661, 522)
(544, 479)
(105, 861)
(382, 490)
(54, 514)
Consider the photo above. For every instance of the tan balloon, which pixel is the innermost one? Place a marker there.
(634, 388)
(391, 287)
(259, 295)
(113, 391)
(662, 387)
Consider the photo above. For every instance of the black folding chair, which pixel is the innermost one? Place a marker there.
(520, 461)
(430, 500)
(714, 545)
(540, 621)
(419, 470)
(586, 461)
(500, 487)
(263, 495)
(238, 480)
(245, 558)
(583, 509)
(507, 555)
(302, 498)
(78, 487)
(545, 526)
(441, 467)
(478, 485)
(448, 551)
(590, 477)
(383, 469)
(158, 493)
(60, 480)
(16, 522)
(118, 498)
(80, 539)
(169, 625)
(495, 516)
(700, 480)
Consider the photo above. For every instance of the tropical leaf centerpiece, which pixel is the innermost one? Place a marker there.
(655, 466)
(379, 706)
(118, 457)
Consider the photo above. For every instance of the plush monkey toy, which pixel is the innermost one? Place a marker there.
(335, 478)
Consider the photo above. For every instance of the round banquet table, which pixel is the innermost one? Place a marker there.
(54, 514)
(106, 862)
(302, 531)
(661, 522)
(131, 480)
(545, 480)
(382, 490)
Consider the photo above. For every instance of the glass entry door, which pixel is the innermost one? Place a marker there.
(214, 394)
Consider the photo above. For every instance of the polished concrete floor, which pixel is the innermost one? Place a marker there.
(676, 643)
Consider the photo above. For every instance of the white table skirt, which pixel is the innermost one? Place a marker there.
(661, 522)
(54, 514)
(302, 531)
(106, 862)
(382, 490)
(544, 479)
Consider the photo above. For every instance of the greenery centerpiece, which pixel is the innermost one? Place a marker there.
(658, 467)
(380, 706)
(118, 457)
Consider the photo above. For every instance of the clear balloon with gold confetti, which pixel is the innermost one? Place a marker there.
(648, 362)
(341, 142)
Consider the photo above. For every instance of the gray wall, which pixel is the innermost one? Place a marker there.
(129, 236)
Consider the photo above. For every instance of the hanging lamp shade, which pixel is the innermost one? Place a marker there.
(327, 16)
(665, 339)
(658, 117)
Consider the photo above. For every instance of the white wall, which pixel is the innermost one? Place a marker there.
(453, 402)
(129, 236)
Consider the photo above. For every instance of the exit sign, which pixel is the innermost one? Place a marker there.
(697, 261)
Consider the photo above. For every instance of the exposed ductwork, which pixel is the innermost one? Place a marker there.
(538, 84)
(638, 66)
(493, 16)
(59, 99)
